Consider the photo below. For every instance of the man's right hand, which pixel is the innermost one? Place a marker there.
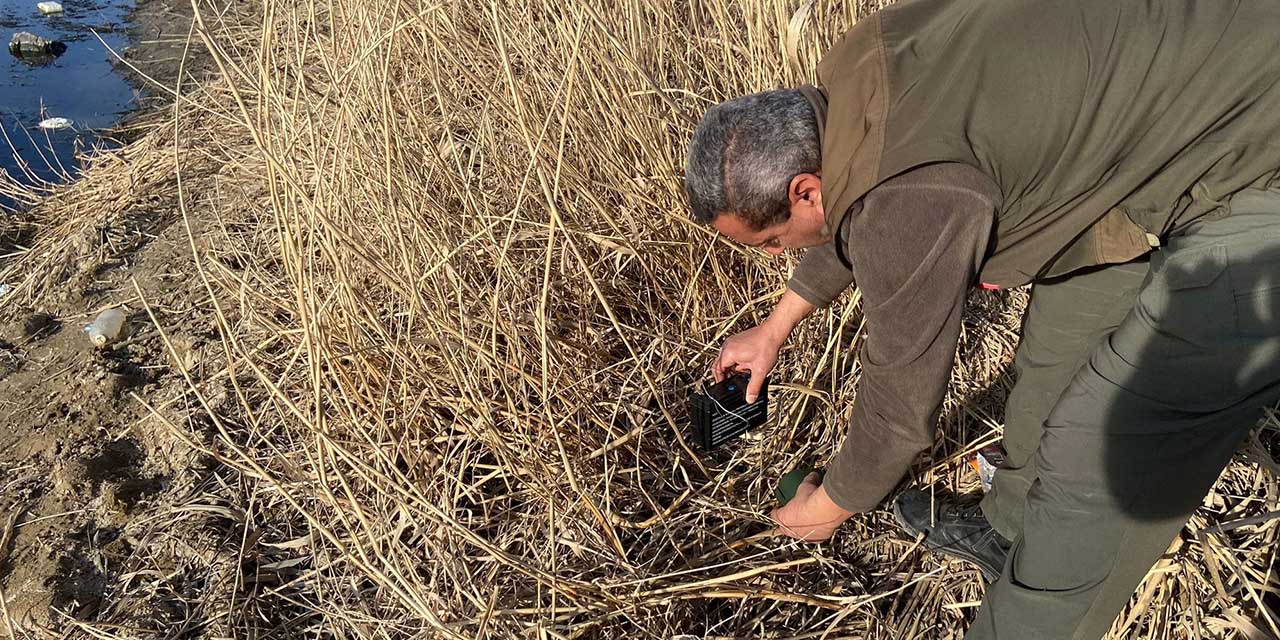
(754, 350)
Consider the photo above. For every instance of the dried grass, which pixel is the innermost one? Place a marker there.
(460, 302)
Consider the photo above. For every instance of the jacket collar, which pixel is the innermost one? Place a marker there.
(853, 109)
(817, 98)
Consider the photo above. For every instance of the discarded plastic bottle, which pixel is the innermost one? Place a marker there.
(31, 47)
(106, 327)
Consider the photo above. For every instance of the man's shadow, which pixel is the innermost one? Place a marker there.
(1183, 380)
(1147, 425)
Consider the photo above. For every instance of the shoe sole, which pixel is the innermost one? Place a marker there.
(949, 553)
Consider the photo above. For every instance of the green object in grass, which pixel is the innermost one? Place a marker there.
(788, 484)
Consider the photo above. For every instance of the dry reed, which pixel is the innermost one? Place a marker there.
(460, 303)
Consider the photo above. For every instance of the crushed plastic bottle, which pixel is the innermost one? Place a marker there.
(55, 123)
(106, 327)
(49, 7)
(986, 471)
(986, 461)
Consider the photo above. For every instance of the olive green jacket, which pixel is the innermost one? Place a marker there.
(1106, 124)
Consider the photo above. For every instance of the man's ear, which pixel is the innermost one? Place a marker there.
(805, 187)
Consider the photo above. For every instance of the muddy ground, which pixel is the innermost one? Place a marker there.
(100, 503)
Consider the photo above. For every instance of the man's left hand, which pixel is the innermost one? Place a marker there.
(810, 516)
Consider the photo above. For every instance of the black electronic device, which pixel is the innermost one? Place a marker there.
(720, 412)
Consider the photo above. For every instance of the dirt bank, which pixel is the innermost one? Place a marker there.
(162, 44)
(91, 490)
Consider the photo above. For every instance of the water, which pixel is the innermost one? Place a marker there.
(81, 85)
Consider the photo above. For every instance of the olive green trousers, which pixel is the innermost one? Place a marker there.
(1135, 384)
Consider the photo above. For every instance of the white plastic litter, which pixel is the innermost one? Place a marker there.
(5, 289)
(106, 327)
(986, 472)
(49, 7)
(55, 123)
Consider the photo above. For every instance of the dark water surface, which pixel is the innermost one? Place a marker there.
(81, 85)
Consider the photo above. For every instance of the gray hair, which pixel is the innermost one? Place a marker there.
(744, 154)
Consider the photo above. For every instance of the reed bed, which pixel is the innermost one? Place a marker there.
(460, 305)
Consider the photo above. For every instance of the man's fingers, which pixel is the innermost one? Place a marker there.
(722, 364)
(779, 529)
(754, 385)
(726, 364)
(807, 486)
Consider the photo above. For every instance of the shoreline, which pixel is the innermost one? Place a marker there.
(157, 32)
(79, 459)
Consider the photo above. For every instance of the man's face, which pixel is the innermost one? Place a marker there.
(802, 229)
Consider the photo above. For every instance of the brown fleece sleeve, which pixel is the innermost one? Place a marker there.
(916, 248)
(821, 275)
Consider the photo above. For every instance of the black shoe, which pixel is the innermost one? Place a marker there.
(953, 529)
